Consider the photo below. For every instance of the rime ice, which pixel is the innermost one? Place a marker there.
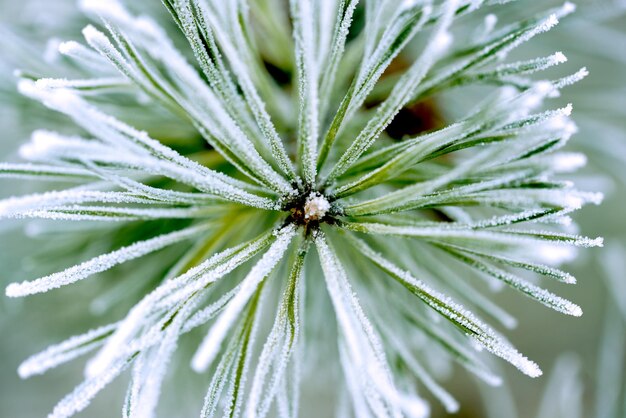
(315, 207)
(124, 175)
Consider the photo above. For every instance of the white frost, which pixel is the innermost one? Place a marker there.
(568, 162)
(100, 263)
(316, 206)
(212, 342)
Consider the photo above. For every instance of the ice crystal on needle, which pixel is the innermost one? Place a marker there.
(297, 176)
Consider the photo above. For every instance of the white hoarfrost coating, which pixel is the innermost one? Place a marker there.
(209, 272)
(315, 207)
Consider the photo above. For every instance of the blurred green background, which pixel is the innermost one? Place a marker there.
(585, 357)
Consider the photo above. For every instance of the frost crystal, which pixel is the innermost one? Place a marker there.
(315, 207)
